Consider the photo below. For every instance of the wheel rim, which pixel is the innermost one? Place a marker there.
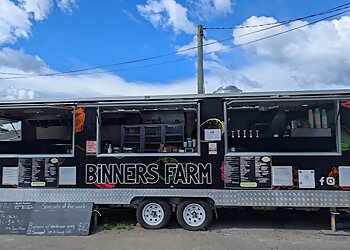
(153, 214)
(194, 215)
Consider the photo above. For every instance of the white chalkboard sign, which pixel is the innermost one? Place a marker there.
(60, 219)
(14, 217)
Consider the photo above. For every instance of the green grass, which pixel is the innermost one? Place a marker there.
(118, 226)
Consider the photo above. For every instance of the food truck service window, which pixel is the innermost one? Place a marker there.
(288, 127)
(149, 129)
(40, 131)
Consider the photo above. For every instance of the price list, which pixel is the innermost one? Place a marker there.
(247, 172)
(37, 172)
(25, 172)
(232, 172)
(262, 172)
(50, 174)
(247, 168)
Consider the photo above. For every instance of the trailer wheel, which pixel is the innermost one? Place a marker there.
(194, 215)
(153, 214)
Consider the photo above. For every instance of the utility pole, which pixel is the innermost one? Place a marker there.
(200, 74)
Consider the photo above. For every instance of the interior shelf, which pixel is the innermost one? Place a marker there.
(174, 133)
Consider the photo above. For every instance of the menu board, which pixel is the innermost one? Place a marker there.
(38, 172)
(14, 217)
(247, 172)
(50, 173)
(25, 172)
(41, 218)
(60, 219)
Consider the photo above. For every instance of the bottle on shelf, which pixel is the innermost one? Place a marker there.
(317, 118)
(110, 149)
(311, 118)
(189, 142)
(194, 143)
(324, 118)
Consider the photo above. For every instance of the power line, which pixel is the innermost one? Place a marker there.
(212, 52)
(11, 74)
(280, 33)
(229, 48)
(278, 25)
(338, 8)
(207, 53)
(74, 72)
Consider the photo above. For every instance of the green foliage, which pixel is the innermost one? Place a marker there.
(118, 226)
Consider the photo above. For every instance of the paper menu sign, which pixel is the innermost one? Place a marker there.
(91, 147)
(212, 134)
(213, 148)
(67, 176)
(282, 176)
(306, 178)
(10, 175)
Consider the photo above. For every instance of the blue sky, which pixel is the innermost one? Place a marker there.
(63, 35)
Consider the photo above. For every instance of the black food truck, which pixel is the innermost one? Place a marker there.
(189, 154)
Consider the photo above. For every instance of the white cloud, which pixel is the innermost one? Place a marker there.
(40, 8)
(17, 61)
(14, 22)
(219, 75)
(257, 77)
(16, 17)
(263, 76)
(209, 9)
(318, 53)
(108, 85)
(67, 6)
(167, 13)
(312, 58)
(215, 45)
(11, 93)
(223, 6)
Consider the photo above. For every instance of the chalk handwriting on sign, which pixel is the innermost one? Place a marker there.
(14, 217)
(139, 173)
(38, 218)
(60, 218)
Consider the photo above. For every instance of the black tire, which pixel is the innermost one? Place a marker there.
(155, 221)
(202, 212)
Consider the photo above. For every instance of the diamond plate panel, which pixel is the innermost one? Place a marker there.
(279, 198)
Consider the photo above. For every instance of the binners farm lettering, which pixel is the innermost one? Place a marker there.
(139, 173)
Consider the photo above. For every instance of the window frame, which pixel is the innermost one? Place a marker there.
(338, 151)
(71, 155)
(150, 104)
(12, 124)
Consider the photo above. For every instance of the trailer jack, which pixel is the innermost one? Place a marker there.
(95, 214)
(334, 227)
(216, 213)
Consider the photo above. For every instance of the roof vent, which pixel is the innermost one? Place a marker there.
(227, 89)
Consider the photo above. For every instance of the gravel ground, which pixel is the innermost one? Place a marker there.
(235, 229)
